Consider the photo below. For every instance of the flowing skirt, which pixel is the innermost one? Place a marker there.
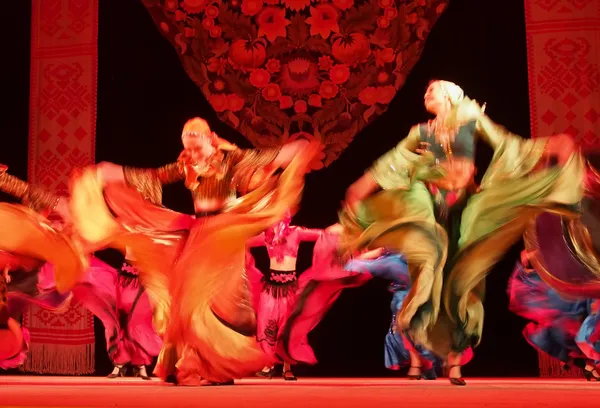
(320, 287)
(561, 327)
(193, 269)
(444, 309)
(125, 311)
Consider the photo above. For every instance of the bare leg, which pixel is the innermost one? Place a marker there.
(455, 374)
(414, 372)
(288, 375)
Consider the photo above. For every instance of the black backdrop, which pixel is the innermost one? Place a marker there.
(144, 97)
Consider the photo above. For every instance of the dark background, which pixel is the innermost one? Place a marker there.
(144, 97)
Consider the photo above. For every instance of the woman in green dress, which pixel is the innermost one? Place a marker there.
(450, 230)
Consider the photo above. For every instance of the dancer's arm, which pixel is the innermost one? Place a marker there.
(390, 171)
(256, 241)
(148, 181)
(308, 234)
(37, 198)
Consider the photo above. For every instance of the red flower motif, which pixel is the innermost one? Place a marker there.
(172, 5)
(339, 74)
(390, 13)
(343, 4)
(384, 56)
(189, 32)
(315, 100)
(412, 18)
(217, 65)
(323, 20)
(299, 76)
(296, 5)
(180, 15)
(368, 96)
(215, 32)
(383, 77)
(300, 106)
(325, 63)
(252, 7)
(208, 23)
(328, 90)
(272, 22)
(271, 92)
(273, 65)
(285, 102)
(260, 78)
(219, 84)
(235, 103)
(218, 102)
(386, 3)
(211, 12)
(422, 2)
(385, 94)
(272, 1)
(194, 6)
(383, 22)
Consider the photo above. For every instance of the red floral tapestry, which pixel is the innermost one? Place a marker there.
(277, 70)
(61, 138)
(563, 52)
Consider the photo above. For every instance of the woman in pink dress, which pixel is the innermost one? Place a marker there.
(275, 291)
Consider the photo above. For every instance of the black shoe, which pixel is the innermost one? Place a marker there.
(266, 374)
(456, 381)
(415, 376)
(137, 372)
(589, 375)
(121, 373)
(430, 374)
(289, 376)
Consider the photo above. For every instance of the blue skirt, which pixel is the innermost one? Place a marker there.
(561, 327)
(393, 267)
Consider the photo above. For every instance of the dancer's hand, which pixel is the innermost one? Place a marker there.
(3, 168)
(110, 173)
(335, 229)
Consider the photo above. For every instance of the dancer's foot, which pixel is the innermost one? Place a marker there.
(118, 371)
(590, 373)
(455, 376)
(140, 371)
(207, 383)
(288, 375)
(266, 372)
(414, 373)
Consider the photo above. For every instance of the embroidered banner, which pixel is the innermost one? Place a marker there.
(62, 137)
(563, 54)
(277, 70)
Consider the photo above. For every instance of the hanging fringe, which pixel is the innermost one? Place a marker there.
(551, 367)
(60, 359)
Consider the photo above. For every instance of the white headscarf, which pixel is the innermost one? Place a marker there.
(453, 92)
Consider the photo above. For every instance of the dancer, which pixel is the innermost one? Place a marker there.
(558, 324)
(564, 279)
(275, 292)
(120, 304)
(399, 349)
(119, 300)
(429, 199)
(193, 268)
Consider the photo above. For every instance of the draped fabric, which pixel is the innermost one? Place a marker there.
(62, 137)
(563, 54)
(283, 69)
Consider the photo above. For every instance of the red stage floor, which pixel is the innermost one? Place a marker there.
(24, 391)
